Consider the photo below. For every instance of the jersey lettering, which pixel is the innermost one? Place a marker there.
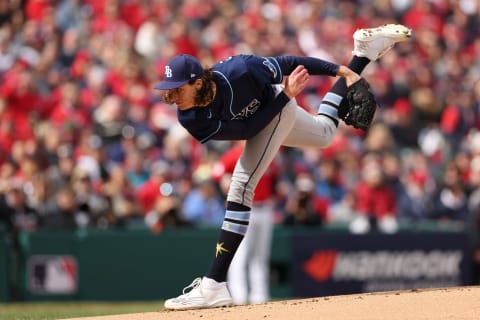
(248, 111)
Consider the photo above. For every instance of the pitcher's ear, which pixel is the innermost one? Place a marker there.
(198, 83)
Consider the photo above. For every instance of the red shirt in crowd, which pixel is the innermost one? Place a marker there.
(21, 100)
(376, 201)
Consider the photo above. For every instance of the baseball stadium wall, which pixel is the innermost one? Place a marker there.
(135, 265)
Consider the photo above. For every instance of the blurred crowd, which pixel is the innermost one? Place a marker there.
(86, 142)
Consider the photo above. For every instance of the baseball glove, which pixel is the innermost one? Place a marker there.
(361, 105)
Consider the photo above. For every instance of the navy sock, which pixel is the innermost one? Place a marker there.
(233, 230)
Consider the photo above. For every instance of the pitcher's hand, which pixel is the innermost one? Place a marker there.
(296, 82)
(350, 76)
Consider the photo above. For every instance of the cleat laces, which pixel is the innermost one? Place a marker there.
(192, 286)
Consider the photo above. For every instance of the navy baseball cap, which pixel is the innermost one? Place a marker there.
(178, 71)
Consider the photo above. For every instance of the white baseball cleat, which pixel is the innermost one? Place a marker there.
(200, 294)
(373, 43)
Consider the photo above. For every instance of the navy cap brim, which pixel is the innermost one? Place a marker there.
(168, 85)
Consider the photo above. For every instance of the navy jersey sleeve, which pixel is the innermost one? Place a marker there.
(314, 66)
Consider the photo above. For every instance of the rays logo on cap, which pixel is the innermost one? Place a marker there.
(168, 72)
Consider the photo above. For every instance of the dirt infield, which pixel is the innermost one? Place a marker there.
(449, 303)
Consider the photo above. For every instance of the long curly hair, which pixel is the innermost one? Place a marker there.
(206, 94)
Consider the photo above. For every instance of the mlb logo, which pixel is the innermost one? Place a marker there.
(52, 274)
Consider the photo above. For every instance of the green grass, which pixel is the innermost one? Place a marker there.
(61, 310)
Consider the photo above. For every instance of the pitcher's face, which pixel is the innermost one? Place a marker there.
(183, 96)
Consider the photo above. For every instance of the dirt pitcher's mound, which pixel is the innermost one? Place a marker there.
(449, 303)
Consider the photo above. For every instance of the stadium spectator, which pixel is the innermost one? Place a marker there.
(135, 169)
(450, 201)
(204, 206)
(64, 213)
(328, 184)
(148, 193)
(15, 213)
(304, 206)
(343, 211)
(166, 213)
(375, 200)
(415, 188)
(90, 200)
(20, 100)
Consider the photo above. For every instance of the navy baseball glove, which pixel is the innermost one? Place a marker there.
(361, 105)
